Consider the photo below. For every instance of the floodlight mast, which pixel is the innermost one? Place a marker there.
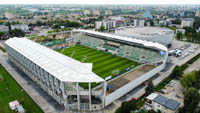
(72, 54)
(84, 58)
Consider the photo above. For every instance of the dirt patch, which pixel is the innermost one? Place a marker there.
(116, 84)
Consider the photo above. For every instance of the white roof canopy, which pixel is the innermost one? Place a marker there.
(128, 39)
(60, 66)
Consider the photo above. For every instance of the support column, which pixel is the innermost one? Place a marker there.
(78, 95)
(90, 100)
(104, 93)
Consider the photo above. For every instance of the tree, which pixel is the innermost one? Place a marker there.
(54, 36)
(189, 37)
(196, 23)
(9, 26)
(127, 107)
(191, 100)
(177, 71)
(176, 21)
(1, 34)
(187, 80)
(150, 88)
(56, 26)
(100, 18)
(198, 37)
(179, 35)
(197, 81)
(151, 23)
(102, 28)
(16, 33)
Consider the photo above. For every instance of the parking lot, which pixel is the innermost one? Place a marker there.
(188, 50)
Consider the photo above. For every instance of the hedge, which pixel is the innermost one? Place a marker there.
(194, 59)
(3, 49)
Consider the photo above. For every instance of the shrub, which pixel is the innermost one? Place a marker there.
(3, 49)
(184, 66)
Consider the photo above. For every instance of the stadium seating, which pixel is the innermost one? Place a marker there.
(138, 54)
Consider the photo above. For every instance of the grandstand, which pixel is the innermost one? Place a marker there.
(134, 52)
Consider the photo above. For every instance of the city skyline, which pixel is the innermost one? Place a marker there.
(111, 2)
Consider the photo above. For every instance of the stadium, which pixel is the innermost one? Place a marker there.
(155, 34)
(89, 75)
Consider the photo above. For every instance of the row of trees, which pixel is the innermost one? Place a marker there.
(131, 106)
(66, 23)
(57, 23)
(16, 33)
(191, 35)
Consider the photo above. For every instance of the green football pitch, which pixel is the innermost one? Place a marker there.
(104, 64)
(10, 90)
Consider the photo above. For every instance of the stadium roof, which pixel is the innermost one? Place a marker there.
(60, 66)
(146, 30)
(143, 42)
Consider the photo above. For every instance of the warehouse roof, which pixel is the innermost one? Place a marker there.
(60, 66)
(143, 42)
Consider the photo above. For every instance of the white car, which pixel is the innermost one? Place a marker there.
(178, 53)
(171, 52)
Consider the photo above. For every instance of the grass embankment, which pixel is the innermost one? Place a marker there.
(10, 90)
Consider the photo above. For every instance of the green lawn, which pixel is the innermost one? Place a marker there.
(10, 90)
(103, 63)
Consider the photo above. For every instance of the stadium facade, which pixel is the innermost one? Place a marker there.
(57, 75)
(61, 76)
(154, 34)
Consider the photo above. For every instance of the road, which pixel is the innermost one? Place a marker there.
(193, 66)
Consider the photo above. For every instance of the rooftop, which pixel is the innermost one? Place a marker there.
(128, 39)
(60, 66)
(146, 30)
(166, 102)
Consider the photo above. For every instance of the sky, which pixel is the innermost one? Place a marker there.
(137, 2)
